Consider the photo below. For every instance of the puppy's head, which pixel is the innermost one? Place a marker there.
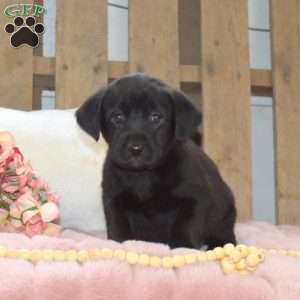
(140, 117)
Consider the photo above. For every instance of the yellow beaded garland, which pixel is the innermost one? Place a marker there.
(120, 254)
(132, 257)
(155, 261)
(47, 254)
(167, 262)
(219, 252)
(228, 248)
(59, 255)
(35, 255)
(71, 255)
(178, 261)
(243, 250)
(190, 258)
(211, 255)
(3, 251)
(235, 256)
(107, 253)
(83, 256)
(241, 258)
(144, 260)
(202, 256)
(24, 253)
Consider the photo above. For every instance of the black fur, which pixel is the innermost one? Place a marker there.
(157, 184)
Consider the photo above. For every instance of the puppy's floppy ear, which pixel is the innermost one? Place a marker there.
(187, 117)
(88, 115)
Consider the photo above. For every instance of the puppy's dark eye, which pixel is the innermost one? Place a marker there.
(118, 119)
(155, 117)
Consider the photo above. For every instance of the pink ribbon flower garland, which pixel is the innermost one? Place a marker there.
(26, 203)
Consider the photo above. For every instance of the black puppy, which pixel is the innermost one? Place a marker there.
(157, 184)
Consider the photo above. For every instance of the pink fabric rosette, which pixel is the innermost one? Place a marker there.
(26, 203)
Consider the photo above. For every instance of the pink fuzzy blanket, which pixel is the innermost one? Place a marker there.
(278, 277)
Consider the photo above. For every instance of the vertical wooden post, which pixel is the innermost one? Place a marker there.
(286, 86)
(153, 39)
(226, 94)
(81, 50)
(189, 43)
(16, 68)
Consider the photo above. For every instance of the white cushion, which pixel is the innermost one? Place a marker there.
(65, 156)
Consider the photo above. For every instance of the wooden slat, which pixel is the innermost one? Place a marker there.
(44, 65)
(226, 94)
(154, 39)
(16, 69)
(188, 73)
(117, 69)
(189, 32)
(81, 52)
(286, 80)
(39, 19)
(261, 78)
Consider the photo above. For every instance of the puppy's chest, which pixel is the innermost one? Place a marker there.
(142, 188)
(152, 224)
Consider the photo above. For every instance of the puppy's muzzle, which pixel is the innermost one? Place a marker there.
(136, 144)
(135, 148)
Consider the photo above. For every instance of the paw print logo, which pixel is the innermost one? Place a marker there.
(24, 33)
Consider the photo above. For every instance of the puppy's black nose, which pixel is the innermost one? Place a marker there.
(135, 148)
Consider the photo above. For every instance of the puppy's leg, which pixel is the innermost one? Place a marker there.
(220, 241)
(183, 232)
(180, 238)
(224, 233)
(117, 225)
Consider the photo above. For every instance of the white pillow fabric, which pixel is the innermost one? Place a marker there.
(67, 158)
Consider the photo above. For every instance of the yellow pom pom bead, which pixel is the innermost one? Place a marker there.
(24, 253)
(47, 254)
(211, 255)
(227, 266)
(71, 255)
(235, 256)
(202, 256)
(98, 253)
(3, 251)
(241, 265)
(228, 248)
(35, 255)
(252, 260)
(12, 253)
(190, 258)
(83, 256)
(178, 261)
(219, 252)
(93, 253)
(243, 250)
(132, 257)
(59, 255)
(119, 254)
(155, 261)
(167, 262)
(107, 253)
(253, 250)
(291, 253)
(144, 260)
